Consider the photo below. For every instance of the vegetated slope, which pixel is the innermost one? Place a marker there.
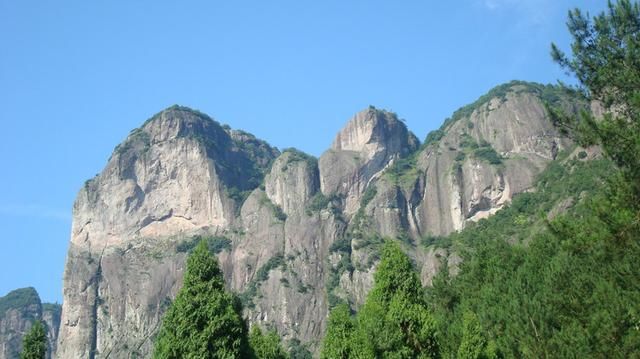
(294, 235)
(536, 284)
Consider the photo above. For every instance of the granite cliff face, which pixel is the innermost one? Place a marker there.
(293, 234)
(18, 310)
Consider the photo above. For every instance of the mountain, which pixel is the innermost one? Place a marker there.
(294, 234)
(18, 310)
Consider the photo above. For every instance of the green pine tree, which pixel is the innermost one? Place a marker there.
(338, 341)
(34, 344)
(606, 62)
(204, 321)
(395, 321)
(266, 346)
(473, 342)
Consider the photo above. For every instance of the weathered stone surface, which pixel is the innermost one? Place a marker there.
(360, 151)
(461, 185)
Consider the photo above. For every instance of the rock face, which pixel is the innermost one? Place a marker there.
(361, 150)
(18, 310)
(294, 235)
(181, 173)
(484, 159)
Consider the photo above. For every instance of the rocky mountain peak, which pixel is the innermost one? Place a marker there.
(373, 129)
(179, 121)
(367, 144)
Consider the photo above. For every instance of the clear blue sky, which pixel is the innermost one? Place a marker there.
(77, 76)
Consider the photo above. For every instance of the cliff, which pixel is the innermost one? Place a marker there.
(294, 234)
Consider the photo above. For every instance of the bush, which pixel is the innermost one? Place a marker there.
(341, 245)
(274, 262)
(488, 154)
(318, 202)
(298, 350)
(216, 244)
(433, 137)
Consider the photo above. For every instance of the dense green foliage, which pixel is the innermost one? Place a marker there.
(215, 244)
(34, 344)
(482, 151)
(394, 322)
(266, 346)
(556, 274)
(317, 203)
(298, 351)
(433, 137)
(338, 341)
(205, 320)
(473, 344)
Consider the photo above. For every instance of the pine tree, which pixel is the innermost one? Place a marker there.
(395, 321)
(337, 343)
(266, 346)
(473, 343)
(204, 321)
(606, 62)
(34, 345)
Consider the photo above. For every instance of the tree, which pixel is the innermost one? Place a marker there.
(606, 62)
(397, 305)
(298, 350)
(266, 346)
(34, 345)
(473, 345)
(204, 321)
(338, 340)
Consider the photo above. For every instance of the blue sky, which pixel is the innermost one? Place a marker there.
(77, 76)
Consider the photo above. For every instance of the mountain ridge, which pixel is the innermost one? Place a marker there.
(303, 233)
(294, 234)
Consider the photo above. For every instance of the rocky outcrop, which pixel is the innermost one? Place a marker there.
(485, 158)
(18, 310)
(294, 235)
(467, 170)
(180, 174)
(361, 150)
